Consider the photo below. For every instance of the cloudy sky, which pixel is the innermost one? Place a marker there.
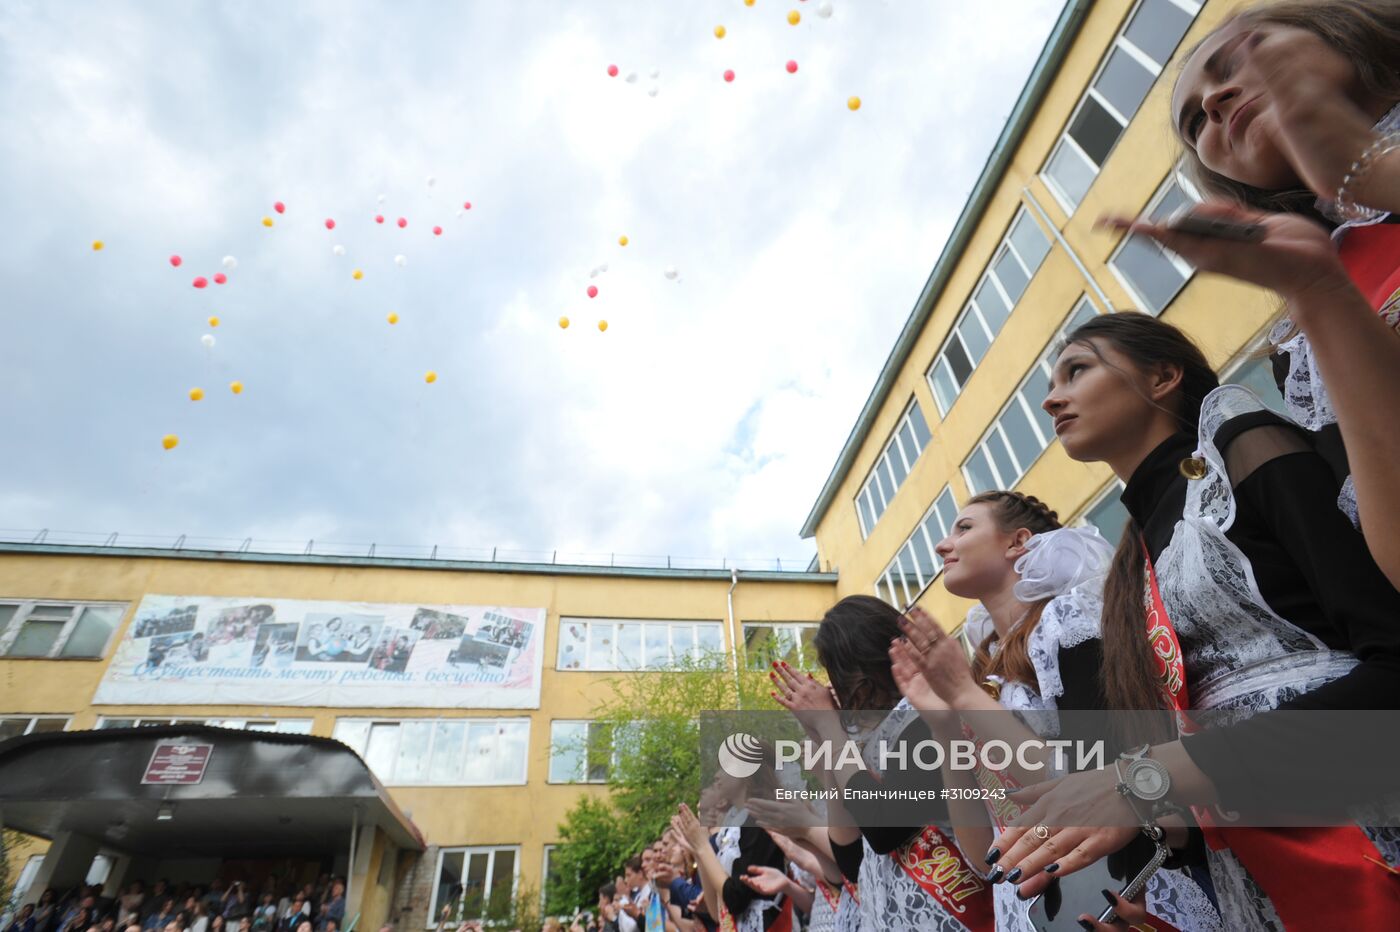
(701, 424)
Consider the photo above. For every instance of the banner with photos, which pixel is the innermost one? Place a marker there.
(205, 650)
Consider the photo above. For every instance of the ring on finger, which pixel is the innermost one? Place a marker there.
(1041, 832)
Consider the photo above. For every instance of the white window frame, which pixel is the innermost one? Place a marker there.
(392, 780)
(281, 726)
(466, 852)
(553, 743)
(1120, 41)
(890, 584)
(670, 623)
(871, 488)
(544, 875)
(35, 719)
(25, 608)
(975, 311)
(1188, 271)
(794, 627)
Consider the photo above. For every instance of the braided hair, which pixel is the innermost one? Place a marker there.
(1013, 511)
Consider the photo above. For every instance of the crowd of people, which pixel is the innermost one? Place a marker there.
(1256, 576)
(221, 907)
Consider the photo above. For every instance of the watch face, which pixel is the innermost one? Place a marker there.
(1149, 779)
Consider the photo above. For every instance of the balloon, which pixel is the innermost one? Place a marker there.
(719, 32)
(392, 318)
(603, 267)
(748, 2)
(437, 231)
(379, 199)
(671, 272)
(824, 11)
(175, 261)
(563, 323)
(430, 377)
(631, 77)
(431, 181)
(593, 291)
(655, 73)
(653, 91)
(213, 321)
(357, 275)
(220, 278)
(853, 103)
(402, 223)
(378, 218)
(612, 71)
(280, 207)
(267, 221)
(338, 249)
(236, 387)
(196, 394)
(97, 245)
(792, 67)
(207, 340)
(467, 205)
(602, 326)
(794, 17)
(200, 281)
(169, 441)
(230, 263)
(330, 224)
(729, 76)
(622, 241)
(401, 261)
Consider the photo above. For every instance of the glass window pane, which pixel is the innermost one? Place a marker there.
(478, 864)
(36, 638)
(947, 510)
(1124, 82)
(1258, 376)
(880, 492)
(906, 567)
(807, 635)
(349, 733)
(923, 556)
(758, 646)
(481, 753)
(1012, 277)
(945, 387)
(91, 633)
(12, 727)
(294, 726)
(381, 749)
(907, 443)
(993, 306)
(979, 473)
(710, 644)
(42, 725)
(682, 643)
(1153, 275)
(1071, 173)
(512, 738)
(449, 885)
(1096, 130)
(449, 747)
(629, 646)
(974, 337)
(412, 765)
(1001, 457)
(502, 882)
(599, 752)
(658, 648)
(886, 470)
(867, 513)
(1016, 424)
(1157, 27)
(7, 612)
(881, 592)
(573, 644)
(1029, 241)
(921, 433)
(1035, 390)
(566, 751)
(958, 363)
(131, 723)
(600, 645)
(896, 464)
(1109, 516)
(1174, 198)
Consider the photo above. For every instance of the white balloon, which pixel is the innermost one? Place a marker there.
(824, 11)
(672, 272)
(431, 180)
(460, 211)
(603, 267)
(230, 262)
(653, 91)
(338, 249)
(593, 274)
(631, 77)
(655, 73)
(207, 339)
(401, 261)
(380, 199)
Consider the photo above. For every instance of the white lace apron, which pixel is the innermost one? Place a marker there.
(751, 919)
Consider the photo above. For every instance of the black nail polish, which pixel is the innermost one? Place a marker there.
(1108, 895)
(1014, 876)
(995, 875)
(992, 855)
(1086, 924)
(1051, 868)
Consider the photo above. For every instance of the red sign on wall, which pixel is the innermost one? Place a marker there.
(178, 763)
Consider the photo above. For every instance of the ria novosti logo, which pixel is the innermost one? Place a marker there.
(741, 755)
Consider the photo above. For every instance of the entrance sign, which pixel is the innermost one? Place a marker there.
(181, 764)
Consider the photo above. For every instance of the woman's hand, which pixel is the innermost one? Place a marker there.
(1130, 913)
(940, 658)
(689, 827)
(796, 854)
(909, 677)
(768, 881)
(783, 815)
(1099, 821)
(810, 701)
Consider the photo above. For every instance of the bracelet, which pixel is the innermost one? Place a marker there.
(1345, 203)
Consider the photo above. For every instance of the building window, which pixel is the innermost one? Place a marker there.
(1107, 513)
(1023, 429)
(632, 644)
(1126, 74)
(892, 466)
(765, 643)
(916, 564)
(60, 631)
(284, 726)
(12, 726)
(1153, 274)
(440, 752)
(581, 751)
(1001, 286)
(474, 883)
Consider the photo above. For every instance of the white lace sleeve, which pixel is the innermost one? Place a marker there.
(1067, 621)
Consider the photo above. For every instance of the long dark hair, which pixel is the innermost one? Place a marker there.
(1367, 32)
(853, 646)
(1130, 676)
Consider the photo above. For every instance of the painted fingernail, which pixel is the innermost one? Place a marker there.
(1108, 895)
(995, 875)
(1014, 876)
(775, 665)
(1051, 868)
(1020, 895)
(992, 855)
(1086, 924)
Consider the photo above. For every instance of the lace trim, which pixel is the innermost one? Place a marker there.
(891, 901)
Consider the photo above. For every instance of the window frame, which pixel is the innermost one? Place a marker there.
(25, 609)
(468, 721)
(894, 446)
(236, 724)
(796, 627)
(893, 574)
(1188, 271)
(670, 623)
(35, 718)
(467, 851)
(587, 739)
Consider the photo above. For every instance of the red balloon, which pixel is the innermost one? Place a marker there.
(729, 76)
(220, 278)
(378, 218)
(175, 261)
(330, 224)
(201, 281)
(593, 291)
(612, 71)
(792, 67)
(467, 205)
(402, 223)
(280, 207)
(437, 231)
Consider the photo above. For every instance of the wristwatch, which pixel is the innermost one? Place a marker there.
(1144, 783)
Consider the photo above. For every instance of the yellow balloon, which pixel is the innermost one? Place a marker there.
(357, 275)
(748, 2)
(196, 394)
(236, 387)
(794, 17)
(213, 321)
(563, 323)
(97, 245)
(393, 318)
(267, 221)
(853, 103)
(602, 326)
(430, 378)
(719, 32)
(622, 241)
(169, 441)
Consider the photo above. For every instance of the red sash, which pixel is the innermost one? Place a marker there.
(936, 864)
(782, 924)
(830, 894)
(1371, 256)
(1292, 865)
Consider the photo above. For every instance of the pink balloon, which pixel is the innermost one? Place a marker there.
(280, 207)
(175, 261)
(220, 278)
(330, 224)
(467, 205)
(402, 223)
(612, 71)
(593, 291)
(729, 76)
(437, 231)
(378, 218)
(201, 281)
(792, 67)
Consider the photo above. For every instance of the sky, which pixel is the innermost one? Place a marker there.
(701, 424)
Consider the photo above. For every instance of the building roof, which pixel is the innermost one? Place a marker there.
(1041, 77)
